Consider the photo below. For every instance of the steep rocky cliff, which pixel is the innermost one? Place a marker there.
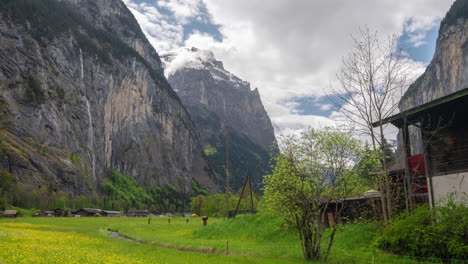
(222, 104)
(448, 70)
(85, 92)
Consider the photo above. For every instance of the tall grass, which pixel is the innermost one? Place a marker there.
(261, 227)
(259, 238)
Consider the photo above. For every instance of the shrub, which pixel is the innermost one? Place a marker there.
(34, 91)
(439, 232)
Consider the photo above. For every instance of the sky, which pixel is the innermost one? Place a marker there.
(290, 50)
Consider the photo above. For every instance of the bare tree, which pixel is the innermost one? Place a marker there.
(371, 81)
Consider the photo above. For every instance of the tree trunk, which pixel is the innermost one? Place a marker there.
(388, 190)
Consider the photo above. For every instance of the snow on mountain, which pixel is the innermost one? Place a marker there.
(199, 59)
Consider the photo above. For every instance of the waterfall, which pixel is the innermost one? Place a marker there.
(91, 137)
(81, 63)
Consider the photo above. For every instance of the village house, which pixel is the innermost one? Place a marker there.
(88, 212)
(48, 213)
(138, 213)
(110, 213)
(441, 169)
(59, 212)
(10, 213)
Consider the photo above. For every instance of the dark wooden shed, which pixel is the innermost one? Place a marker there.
(48, 213)
(138, 213)
(111, 213)
(88, 212)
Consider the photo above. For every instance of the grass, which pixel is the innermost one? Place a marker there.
(86, 240)
(258, 238)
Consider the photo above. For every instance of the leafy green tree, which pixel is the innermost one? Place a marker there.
(5, 177)
(315, 171)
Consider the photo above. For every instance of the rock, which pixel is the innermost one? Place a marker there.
(222, 104)
(86, 92)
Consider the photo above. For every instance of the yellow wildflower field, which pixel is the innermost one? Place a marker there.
(86, 240)
(20, 243)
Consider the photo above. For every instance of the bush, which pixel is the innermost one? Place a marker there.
(34, 91)
(439, 232)
(24, 212)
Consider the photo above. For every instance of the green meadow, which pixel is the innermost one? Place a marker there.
(258, 238)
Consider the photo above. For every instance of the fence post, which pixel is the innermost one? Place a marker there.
(227, 247)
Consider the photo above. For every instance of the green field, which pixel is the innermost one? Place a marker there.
(252, 239)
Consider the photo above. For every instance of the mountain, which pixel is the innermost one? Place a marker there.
(85, 91)
(225, 111)
(448, 70)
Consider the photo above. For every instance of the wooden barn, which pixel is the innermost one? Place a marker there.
(138, 213)
(48, 213)
(110, 213)
(442, 168)
(88, 212)
(10, 213)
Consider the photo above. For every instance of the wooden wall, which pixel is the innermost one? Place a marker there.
(448, 148)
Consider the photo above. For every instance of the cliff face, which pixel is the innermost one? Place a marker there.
(222, 104)
(85, 92)
(448, 70)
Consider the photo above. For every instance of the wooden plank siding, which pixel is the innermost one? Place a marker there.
(448, 150)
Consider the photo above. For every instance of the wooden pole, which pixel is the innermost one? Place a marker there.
(227, 175)
(406, 153)
(240, 197)
(251, 194)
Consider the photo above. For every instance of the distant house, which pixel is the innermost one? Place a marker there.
(48, 213)
(59, 212)
(137, 213)
(88, 212)
(110, 213)
(10, 213)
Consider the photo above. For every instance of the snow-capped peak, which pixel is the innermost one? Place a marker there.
(198, 59)
(188, 58)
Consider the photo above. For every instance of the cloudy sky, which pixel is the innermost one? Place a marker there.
(290, 49)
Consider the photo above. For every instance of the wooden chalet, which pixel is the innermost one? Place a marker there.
(110, 213)
(138, 213)
(10, 214)
(48, 213)
(442, 168)
(59, 212)
(88, 212)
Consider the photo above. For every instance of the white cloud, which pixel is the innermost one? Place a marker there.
(290, 49)
(417, 28)
(326, 107)
(162, 34)
(182, 9)
(183, 57)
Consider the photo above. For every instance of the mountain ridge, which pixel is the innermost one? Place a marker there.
(86, 92)
(226, 111)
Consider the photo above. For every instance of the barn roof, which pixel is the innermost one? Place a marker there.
(91, 210)
(451, 101)
(137, 211)
(111, 212)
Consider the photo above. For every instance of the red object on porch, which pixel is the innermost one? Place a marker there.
(416, 164)
(419, 188)
(424, 188)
